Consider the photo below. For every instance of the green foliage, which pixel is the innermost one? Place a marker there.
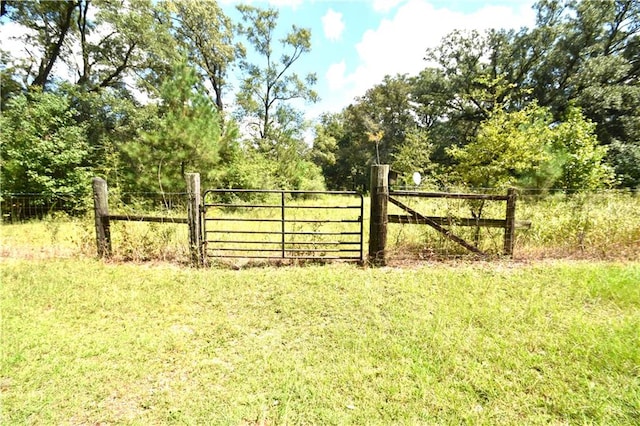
(42, 148)
(625, 157)
(267, 89)
(414, 155)
(9, 80)
(241, 167)
(111, 121)
(575, 139)
(524, 147)
(100, 41)
(185, 136)
(268, 86)
(591, 61)
(508, 145)
(51, 23)
(206, 36)
(371, 130)
(342, 152)
(578, 54)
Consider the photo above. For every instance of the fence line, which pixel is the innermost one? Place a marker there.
(602, 223)
(18, 207)
(21, 207)
(103, 218)
(381, 196)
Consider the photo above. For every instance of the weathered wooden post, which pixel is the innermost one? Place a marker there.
(378, 214)
(193, 218)
(510, 226)
(101, 210)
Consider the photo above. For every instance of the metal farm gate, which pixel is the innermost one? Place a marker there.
(283, 225)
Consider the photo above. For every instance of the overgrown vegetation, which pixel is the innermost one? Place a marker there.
(144, 101)
(599, 225)
(486, 101)
(554, 107)
(89, 342)
(596, 225)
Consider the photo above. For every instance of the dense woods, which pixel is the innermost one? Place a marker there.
(139, 92)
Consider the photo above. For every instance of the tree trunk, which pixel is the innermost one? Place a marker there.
(52, 51)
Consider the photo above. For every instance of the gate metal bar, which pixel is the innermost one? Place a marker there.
(336, 243)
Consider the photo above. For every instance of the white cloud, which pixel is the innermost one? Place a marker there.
(332, 25)
(335, 76)
(385, 5)
(398, 45)
(11, 34)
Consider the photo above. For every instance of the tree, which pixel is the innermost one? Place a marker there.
(96, 44)
(266, 94)
(8, 79)
(625, 158)
(186, 136)
(474, 74)
(206, 36)
(123, 40)
(371, 130)
(268, 87)
(528, 148)
(575, 140)
(586, 54)
(42, 148)
(50, 25)
(112, 121)
(579, 53)
(507, 147)
(414, 155)
(343, 151)
(385, 115)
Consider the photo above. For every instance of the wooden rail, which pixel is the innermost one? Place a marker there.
(135, 218)
(451, 195)
(103, 218)
(456, 221)
(381, 196)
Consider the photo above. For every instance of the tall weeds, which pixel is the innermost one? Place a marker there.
(601, 225)
(587, 225)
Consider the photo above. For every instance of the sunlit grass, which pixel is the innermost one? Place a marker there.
(603, 225)
(86, 342)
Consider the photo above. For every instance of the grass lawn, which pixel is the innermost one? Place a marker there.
(87, 342)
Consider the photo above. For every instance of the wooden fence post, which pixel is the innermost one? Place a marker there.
(193, 218)
(378, 214)
(510, 226)
(101, 210)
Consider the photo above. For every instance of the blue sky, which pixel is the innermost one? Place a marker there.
(355, 43)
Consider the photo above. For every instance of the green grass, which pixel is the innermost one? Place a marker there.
(75, 238)
(87, 342)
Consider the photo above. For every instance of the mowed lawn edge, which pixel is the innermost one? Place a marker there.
(87, 342)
